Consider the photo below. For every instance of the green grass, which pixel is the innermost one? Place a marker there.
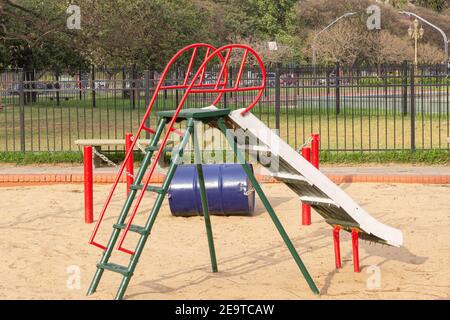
(425, 157)
(26, 158)
(363, 124)
(56, 128)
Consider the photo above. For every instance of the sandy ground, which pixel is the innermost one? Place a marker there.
(43, 244)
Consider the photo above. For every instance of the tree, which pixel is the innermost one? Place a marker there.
(139, 32)
(34, 35)
(118, 32)
(388, 48)
(346, 43)
(349, 40)
(436, 5)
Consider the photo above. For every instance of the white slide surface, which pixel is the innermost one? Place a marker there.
(313, 186)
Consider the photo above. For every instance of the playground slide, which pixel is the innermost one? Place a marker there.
(312, 186)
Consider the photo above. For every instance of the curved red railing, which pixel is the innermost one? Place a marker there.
(196, 85)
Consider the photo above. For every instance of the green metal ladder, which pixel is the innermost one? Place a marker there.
(191, 116)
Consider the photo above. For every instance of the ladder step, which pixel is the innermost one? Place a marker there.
(342, 223)
(114, 268)
(288, 177)
(254, 148)
(318, 201)
(149, 188)
(133, 228)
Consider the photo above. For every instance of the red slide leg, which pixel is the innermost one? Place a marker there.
(355, 250)
(306, 214)
(337, 247)
(306, 208)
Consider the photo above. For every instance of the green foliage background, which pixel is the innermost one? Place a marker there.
(33, 33)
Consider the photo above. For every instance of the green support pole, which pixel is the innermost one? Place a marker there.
(123, 214)
(154, 212)
(128, 272)
(204, 200)
(269, 208)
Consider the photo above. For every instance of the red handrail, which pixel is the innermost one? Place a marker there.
(241, 69)
(193, 87)
(177, 111)
(191, 62)
(142, 125)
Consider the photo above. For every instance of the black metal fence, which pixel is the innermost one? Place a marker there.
(378, 108)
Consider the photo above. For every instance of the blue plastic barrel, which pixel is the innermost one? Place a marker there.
(228, 190)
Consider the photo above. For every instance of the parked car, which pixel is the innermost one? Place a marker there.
(288, 80)
(331, 79)
(270, 79)
(13, 90)
(99, 84)
(170, 82)
(210, 77)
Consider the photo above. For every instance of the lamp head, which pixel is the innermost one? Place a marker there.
(410, 31)
(421, 32)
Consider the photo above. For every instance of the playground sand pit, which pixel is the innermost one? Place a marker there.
(43, 240)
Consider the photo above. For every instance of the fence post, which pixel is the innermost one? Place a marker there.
(405, 88)
(413, 108)
(57, 87)
(22, 110)
(80, 85)
(88, 186)
(277, 97)
(337, 87)
(124, 83)
(327, 74)
(93, 86)
(133, 77)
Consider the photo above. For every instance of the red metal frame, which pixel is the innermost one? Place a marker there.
(306, 208)
(88, 186)
(337, 247)
(315, 150)
(195, 85)
(130, 168)
(355, 250)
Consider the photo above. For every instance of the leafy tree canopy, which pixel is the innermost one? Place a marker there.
(34, 35)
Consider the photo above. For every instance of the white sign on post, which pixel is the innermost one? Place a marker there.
(272, 45)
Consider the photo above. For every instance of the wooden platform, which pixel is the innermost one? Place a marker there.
(107, 142)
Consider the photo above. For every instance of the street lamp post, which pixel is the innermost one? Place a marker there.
(444, 36)
(314, 57)
(415, 32)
